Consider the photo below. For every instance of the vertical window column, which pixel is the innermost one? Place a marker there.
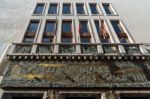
(85, 38)
(28, 38)
(104, 37)
(48, 37)
(123, 37)
(67, 38)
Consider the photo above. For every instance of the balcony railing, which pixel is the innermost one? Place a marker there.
(86, 48)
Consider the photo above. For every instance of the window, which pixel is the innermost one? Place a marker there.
(50, 27)
(66, 9)
(39, 9)
(66, 27)
(107, 8)
(22, 95)
(97, 25)
(31, 31)
(84, 26)
(116, 26)
(119, 31)
(80, 9)
(33, 26)
(52, 9)
(94, 9)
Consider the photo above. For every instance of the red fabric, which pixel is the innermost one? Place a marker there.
(79, 29)
(103, 30)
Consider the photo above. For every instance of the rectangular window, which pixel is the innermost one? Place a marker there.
(119, 31)
(107, 8)
(116, 26)
(80, 8)
(47, 39)
(66, 26)
(66, 9)
(39, 9)
(31, 32)
(50, 27)
(94, 9)
(84, 27)
(53, 9)
(22, 95)
(66, 40)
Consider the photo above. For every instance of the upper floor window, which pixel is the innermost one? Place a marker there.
(50, 27)
(31, 31)
(39, 9)
(108, 8)
(66, 27)
(94, 9)
(66, 9)
(52, 9)
(116, 25)
(33, 26)
(66, 40)
(80, 8)
(84, 27)
(119, 29)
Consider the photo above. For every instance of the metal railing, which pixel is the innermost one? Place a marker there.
(130, 48)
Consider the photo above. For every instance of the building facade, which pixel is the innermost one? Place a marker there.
(75, 49)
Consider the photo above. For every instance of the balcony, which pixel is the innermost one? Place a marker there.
(88, 49)
(132, 49)
(43, 49)
(22, 49)
(66, 49)
(110, 49)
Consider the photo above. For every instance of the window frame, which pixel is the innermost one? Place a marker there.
(71, 9)
(97, 7)
(26, 31)
(44, 7)
(112, 9)
(84, 8)
(57, 11)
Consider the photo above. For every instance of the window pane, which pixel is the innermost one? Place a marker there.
(97, 26)
(80, 9)
(84, 26)
(116, 26)
(33, 27)
(50, 27)
(66, 27)
(107, 9)
(93, 9)
(28, 40)
(66, 40)
(52, 9)
(66, 9)
(39, 9)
